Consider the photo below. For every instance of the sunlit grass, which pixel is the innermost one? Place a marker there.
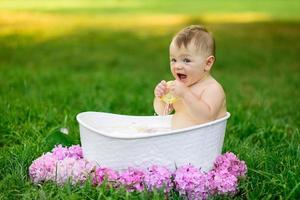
(68, 4)
(247, 17)
(47, 25)
(279, 9)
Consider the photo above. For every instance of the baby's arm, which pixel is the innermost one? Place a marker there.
(208, 105)
(159, 106)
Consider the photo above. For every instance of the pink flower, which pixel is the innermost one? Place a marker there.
(103, 173)
(73, 170)
(75, 151)
(43, 168)
(222, 182)
(60, 152)
(223, 179)
(67, 164)
(157, 177)
(132, 179)
(231, 163)
(191, 182)
(61, 165)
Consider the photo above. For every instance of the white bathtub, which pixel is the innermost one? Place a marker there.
(127, 147)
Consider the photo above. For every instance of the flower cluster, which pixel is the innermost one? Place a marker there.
(64, 164)
(223, 178)
(43, 168)
(103, 173)
(59, 152)
(190, 181)
(132, 179)
(158, 177)
(231, 163)
(61, 165)
(73, 170)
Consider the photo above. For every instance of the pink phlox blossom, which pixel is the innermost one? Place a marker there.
(102, 173)
(61, 165)
(65, 164)
(230, 162)
(222, 182)
(191, 182)
(73, 170)
(75, 151)
(132, 179)
(43, 168)
(157, 177)
(60, 152)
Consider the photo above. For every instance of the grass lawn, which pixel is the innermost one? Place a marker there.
(64, 57)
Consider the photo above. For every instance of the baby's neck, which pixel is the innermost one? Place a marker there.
(204, 78)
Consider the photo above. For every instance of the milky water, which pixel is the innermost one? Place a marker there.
(121, 127)
(134, 128)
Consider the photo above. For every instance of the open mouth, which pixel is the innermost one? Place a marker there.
(181, 77)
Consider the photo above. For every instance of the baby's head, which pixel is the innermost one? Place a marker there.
(192, 54)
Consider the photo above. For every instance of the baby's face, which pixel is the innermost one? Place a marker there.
(187, 64)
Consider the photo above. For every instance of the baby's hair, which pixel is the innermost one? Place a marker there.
(202, 39)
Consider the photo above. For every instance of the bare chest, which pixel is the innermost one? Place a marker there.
(196, 90)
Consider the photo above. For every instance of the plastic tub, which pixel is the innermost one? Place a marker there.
(116, 141)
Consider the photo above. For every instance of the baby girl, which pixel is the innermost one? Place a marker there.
(199, 97)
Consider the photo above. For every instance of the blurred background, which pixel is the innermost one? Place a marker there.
(62, 57)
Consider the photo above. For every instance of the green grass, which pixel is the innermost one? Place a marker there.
(49, 74)
(279, 9)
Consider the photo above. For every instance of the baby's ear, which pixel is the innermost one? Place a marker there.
(209, 62)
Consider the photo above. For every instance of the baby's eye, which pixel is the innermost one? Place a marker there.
(173, 60)
(186, 60)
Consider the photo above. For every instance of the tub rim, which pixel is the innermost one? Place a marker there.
(146, 135)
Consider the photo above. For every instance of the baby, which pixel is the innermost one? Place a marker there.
(200, 97)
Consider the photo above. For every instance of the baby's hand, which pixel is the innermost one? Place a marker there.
(177, 88)
(161, 89)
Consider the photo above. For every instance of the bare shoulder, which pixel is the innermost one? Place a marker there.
(214, 87)
(210, 86)
(213, 94)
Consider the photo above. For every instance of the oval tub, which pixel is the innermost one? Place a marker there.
(116, 141)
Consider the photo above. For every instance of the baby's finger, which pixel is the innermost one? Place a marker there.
(162, 88)
(158, 93)
(163, 83)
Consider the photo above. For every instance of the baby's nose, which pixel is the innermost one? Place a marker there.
(178, 66)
